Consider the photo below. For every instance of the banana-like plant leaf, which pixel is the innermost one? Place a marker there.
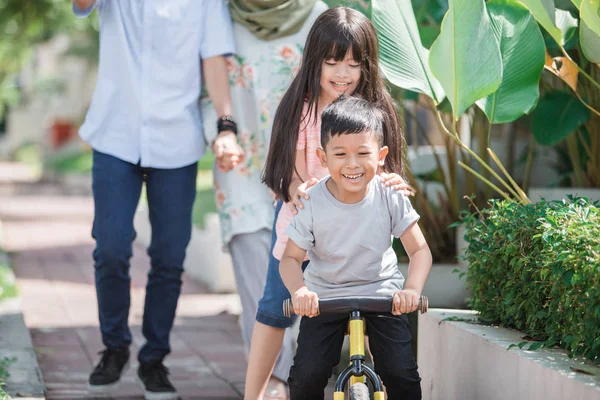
(590, 42)
(577, 3)
(567, 24)
(589, 14)
(465, 58)
(402, 55)
(557, 115)
(543, 12)
(564, 5)
(523, 55)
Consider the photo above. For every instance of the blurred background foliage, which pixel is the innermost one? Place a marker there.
(556, 118)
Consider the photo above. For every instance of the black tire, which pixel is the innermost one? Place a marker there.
(359, 391)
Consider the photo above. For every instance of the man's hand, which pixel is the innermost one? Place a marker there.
(405, 301)
(305, 302)
(228, 152)
(300, 193)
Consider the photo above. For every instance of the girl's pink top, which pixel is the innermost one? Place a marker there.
(309, 140)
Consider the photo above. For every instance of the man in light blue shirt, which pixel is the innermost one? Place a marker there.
(144, 126)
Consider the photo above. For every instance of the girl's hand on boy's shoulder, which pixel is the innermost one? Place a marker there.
(299, 194)
(405, 301)
(396, 182)
(305, 302)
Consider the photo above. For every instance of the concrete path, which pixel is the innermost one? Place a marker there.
(47, 229)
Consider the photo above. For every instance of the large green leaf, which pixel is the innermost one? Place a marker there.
(403, 57)
(465, 57)
(577, 3)
(590, 43)
(589, 14)
(543, 12)
(557, 115)
(588, 38)
(523, 56)
(567, 24)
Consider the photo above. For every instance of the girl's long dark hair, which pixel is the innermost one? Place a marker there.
(333, 33)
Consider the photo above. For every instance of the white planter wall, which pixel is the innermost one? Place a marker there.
(464, 361)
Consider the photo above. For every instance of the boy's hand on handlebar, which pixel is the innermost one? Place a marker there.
(300, 193)
(305, 302)
(405, 301)
(397, 183)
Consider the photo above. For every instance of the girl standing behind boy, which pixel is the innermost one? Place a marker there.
(340, 57)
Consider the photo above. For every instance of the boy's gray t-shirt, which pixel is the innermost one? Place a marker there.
(350, 245)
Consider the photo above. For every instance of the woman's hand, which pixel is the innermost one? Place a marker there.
(396, 182)
(299, 194)
(405, 301)
(305, 302)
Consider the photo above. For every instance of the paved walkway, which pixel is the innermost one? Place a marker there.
(47, 230)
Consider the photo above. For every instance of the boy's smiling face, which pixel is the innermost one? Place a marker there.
(353, 160)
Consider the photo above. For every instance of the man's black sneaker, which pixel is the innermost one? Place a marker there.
(154, 379)
(106, 375)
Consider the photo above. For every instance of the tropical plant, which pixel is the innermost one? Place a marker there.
(501, 76)
(490, 54)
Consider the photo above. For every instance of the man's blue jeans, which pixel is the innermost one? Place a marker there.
(117, 186)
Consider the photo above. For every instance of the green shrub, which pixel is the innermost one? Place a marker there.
(4, 374)
(536, 268)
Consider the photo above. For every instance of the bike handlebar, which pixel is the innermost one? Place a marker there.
(337, 305)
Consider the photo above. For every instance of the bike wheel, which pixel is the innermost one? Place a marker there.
(359, 391)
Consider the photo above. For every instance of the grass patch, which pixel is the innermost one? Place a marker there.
(205, 195)
(4, 374)
(206, 163)
(31, 155)
(8, 289)
(72, 163)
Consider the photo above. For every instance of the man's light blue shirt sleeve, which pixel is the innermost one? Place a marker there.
(218, 32)
(82, 13)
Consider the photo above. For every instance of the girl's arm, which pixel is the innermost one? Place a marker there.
(305, 302)
(416, 247)
(299, 182)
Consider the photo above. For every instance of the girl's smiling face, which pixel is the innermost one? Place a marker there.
(339, 77)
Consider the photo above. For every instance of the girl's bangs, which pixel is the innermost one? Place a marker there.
(338, 47)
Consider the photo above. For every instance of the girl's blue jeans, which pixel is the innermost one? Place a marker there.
(270, 307)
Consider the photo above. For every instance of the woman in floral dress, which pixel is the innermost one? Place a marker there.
(270, 36)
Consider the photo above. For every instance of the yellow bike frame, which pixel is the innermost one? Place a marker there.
(357, 370)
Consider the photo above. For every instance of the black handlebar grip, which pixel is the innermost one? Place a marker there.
(337, 305)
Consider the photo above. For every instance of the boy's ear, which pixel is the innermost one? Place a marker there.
(382, 154)
(322, 156)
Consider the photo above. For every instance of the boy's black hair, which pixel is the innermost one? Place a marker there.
(348, 115)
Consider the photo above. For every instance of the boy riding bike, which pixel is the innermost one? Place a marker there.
(346, 226)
